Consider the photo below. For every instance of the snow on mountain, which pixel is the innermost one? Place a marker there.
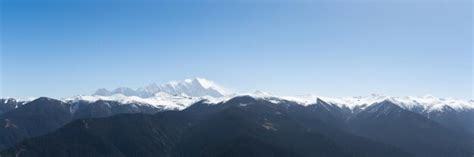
(430, 103)
(425, 103)
(181, 94)
(172, 102)
(161, 99)
(197, 87)
(420, 104)
(19, 100)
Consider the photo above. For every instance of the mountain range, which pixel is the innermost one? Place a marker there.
(196, 117)
(196, 87)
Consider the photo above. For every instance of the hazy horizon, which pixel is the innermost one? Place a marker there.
(232, 91)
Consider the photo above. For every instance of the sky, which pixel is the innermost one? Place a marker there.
(330, 48)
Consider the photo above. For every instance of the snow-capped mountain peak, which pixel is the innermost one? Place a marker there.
(258, 93)
(211, 85)
(197, 87)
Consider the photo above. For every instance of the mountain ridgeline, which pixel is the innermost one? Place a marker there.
(244, 126)
(196, 87)
(196, 117)
(44, 115)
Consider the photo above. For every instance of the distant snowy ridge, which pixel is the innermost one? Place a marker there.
(20, 100)
(197, 87)
(163, 100)
(179, 102)
(177, 95)
(425, 103)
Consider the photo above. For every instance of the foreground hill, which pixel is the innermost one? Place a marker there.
(44, 115)
(242, 126)
(423, 126)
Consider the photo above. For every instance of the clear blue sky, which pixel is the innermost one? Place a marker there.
(329, 48)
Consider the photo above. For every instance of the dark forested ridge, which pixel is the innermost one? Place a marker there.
(242, 126)
(45, 115)
(410, 131)
(248, 126)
